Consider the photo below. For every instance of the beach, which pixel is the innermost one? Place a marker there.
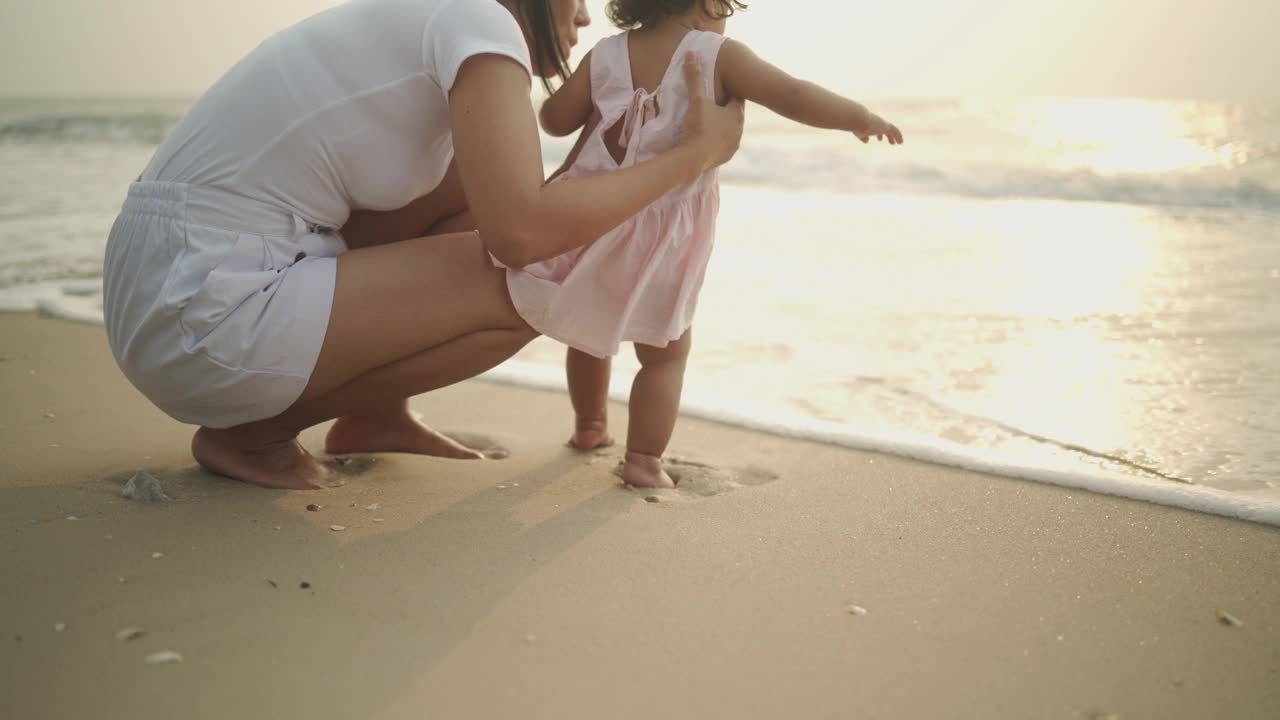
(782, 578)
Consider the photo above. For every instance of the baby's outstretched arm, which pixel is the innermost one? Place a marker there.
(569, 107)
(743, 74)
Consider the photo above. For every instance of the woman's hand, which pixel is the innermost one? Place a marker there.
(716, 131)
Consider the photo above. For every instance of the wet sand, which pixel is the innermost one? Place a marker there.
(537, 586)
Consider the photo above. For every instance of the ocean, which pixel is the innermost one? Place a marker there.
(1078, 291)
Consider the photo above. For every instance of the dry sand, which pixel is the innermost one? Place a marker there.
(536, 586)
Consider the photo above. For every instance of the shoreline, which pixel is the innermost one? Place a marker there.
(62, 300)
(537, 585)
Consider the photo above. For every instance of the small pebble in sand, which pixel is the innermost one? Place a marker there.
(373, 506)
(304, 585)
(857, 610)
(379, 520)
(277, 527)
(337, 528)
(313, 508)
(273, 584)
(1228, 619)
(72, 517)
(164, 656)
(144, 487)
(502, 487)
(531, 638)
(49, 415)
(652, 499)
(130, 633)
(121, 580)
(59, 626)
(157, 555)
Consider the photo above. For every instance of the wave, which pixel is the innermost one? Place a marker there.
(1200, 188)
(142, 128)
(805, 160)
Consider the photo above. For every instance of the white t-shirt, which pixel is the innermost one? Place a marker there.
(347, 110)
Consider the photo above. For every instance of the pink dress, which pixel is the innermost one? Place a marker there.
(639, 282)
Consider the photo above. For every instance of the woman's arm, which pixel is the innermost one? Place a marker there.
(744, 75)
(569, 107)
(521, 219)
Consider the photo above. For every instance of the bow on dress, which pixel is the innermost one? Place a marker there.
(642, 108)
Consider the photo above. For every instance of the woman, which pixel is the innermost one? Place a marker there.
(231, 299)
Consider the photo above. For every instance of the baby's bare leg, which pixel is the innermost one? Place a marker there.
(589, 391)
(655, 402)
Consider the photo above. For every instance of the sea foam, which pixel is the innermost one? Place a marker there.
(79, 299)
(918, 447)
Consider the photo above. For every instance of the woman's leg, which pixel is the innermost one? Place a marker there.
(407, 317)
(655, 403)
(589, 391)
(392, 426)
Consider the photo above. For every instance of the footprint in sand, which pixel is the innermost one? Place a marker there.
(482, 444)
(700, 480)
(351, 465)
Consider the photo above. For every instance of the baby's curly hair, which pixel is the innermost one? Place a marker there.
(631, 14)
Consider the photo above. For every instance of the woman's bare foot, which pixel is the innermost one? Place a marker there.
(400, 431)
(645, 471)
(280, 464)
(590, 433)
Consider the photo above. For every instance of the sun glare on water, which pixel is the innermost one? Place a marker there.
(1111, 135)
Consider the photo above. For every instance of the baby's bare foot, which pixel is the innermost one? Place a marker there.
(284, 464)
(645, 471)
(590, 433)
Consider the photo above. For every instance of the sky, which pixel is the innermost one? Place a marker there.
(1195, 49)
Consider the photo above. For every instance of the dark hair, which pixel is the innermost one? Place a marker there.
(546, 39)
(631, 14)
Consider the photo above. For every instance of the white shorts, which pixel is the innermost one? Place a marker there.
(216, 305)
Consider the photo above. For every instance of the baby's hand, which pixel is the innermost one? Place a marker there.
(880, 129)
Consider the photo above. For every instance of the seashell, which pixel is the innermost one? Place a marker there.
(144, 487)
(857, 610)
(337, 528)
(59, 627)
(1227, 618)
(373, 506)
(164, 656)
(130, 633)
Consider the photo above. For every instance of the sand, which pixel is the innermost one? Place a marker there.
(536, 586)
